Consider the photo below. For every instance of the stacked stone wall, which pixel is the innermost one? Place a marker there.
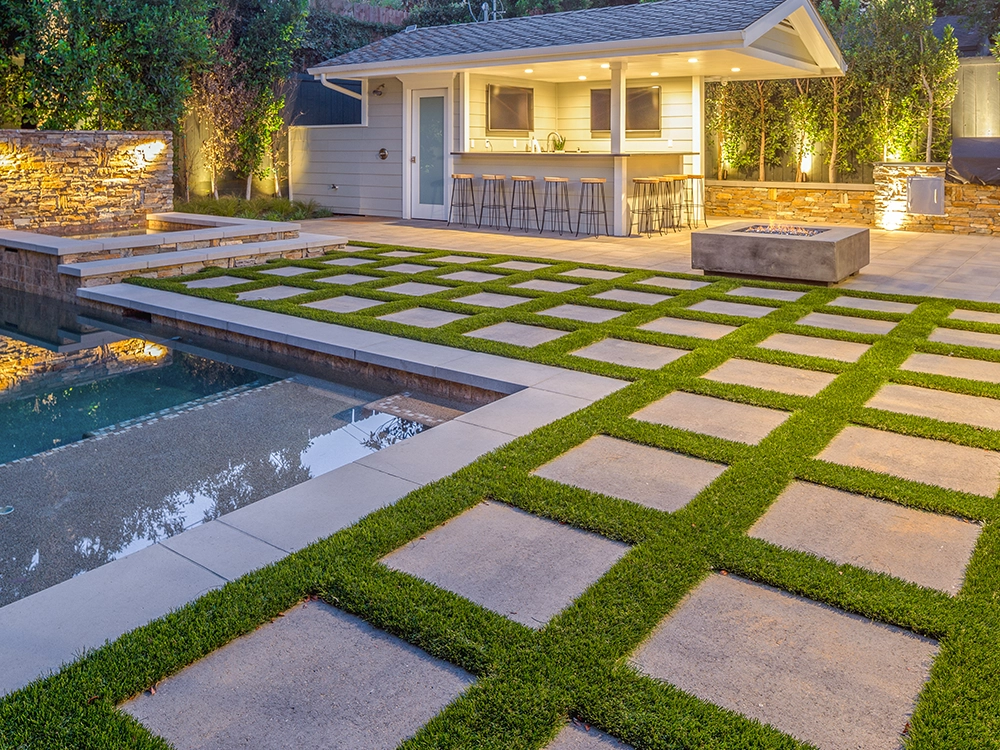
(968, 209)
(75, 182)
(785, 202)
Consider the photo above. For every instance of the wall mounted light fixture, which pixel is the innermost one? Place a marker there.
(378, 90)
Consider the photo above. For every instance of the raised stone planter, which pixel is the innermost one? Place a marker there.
(827, 257)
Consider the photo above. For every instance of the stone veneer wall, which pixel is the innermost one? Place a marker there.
(784, 201)
(75, 182)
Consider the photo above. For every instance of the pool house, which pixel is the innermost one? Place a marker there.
(604, 95)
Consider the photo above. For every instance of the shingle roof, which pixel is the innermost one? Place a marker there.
(610, 24)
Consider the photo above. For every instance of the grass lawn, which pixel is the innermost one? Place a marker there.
(530, 681)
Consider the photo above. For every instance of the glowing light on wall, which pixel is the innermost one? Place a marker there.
(807, 159)
(145, 153)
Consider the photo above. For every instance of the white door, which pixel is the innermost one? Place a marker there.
(429, 159)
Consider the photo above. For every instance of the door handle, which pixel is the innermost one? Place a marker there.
(413, 160)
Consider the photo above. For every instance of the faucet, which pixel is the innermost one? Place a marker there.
(555, 142)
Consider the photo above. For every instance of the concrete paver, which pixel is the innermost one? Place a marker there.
(458, 259)
(781, 295)
(582, 313)
(683, 327)
(517, 334)
(955, 467)
(287, 271)
(943, 405)
(779, 378)
(965, 338)
(344, 304)
(347, 279)
(408, 268)
(423, 317)
(511, 562)
(738, 309)
(954, 367)
(669, 283)
(214, 282)
(522, 265)
(400, 254)
(316, 677)
(630, 353)
(812, 346)
(877, 305)
(415, 288)
(713, 416)
(925, 548)
(544, 285)
(222, 549)
(348, 261)
(656, 478)
(271, 293)
(475, 277)
(593, 273)
(835, 680)
(491, 299)
(976, 316)
(635, 298)
(847, 323)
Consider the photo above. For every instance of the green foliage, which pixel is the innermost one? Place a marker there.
(328, 35)
(265, 208)
(756, 123)
(440, 13)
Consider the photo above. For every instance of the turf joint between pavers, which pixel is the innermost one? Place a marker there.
(529, 682)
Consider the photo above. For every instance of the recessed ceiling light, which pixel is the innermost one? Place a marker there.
(529, 70)
(605, 66)
(654, 74)
(735, 70)
(582, 78)
(692, 59)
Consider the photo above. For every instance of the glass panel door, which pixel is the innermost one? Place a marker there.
(429, 162)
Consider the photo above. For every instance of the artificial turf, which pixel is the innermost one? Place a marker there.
(530, 681)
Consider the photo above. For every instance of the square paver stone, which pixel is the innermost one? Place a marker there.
(576, 737)
(783, 295)
(832, 679)
(316, 677)
(810, 346)
(648, 476)
(511, 562)
(400, 254)
(517, 334)
(738, 309)
(288, 271)
(943, 405)
(490, 299)
(635, 298)
(592, 273)
(476, 277)
(415, 288)
(344, 304)
(522, 265)
(683, 327)
(976, 316)
(544, 285)
(668, 283)
(717, 417)
(965, 338)
(953, 367)
(847, 323)
(630, 353)
(348, 262)
(925, 548)
(271, 293)
(214, 282)
(458, 259)
(407, 268)
(582, 313)
(347, 279)
(955, 467)
(423, 317)
(790, 380)
(878, 305)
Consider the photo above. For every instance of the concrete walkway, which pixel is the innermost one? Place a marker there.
(960, 267)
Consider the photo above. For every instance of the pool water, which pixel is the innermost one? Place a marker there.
(109, 448)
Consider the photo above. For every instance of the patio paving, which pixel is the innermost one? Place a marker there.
(847, 323)
(781, 295)
(516, 564)
(344, 304)
(582, 313)
(576, 737)
(415, 288)
(347, 279)
(976, 316)
(954, 367)
(630, 353)
(270, 293)
(790, 380)
(669, 283)
(288, 271)
(635, 298)
(475, 277)
(348, 262)
(717, 417)
(593, 273)
(811, 346)
(965, 338)
(400, 254)
(316, 677)
(738, 309)
(544, 285)
(875, 305)
(491, 299)
(934, 404)
(423, 317)
(522, 265)
(458, 259)
(517, 334)
(214, 282)
(408, 268)
(648, 476)
(835, 680)
(684, 327)
(925, 548)
(955, 467)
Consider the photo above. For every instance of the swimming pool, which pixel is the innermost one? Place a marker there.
(110, 442)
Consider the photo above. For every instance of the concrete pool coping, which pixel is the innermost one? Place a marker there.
(44, 631)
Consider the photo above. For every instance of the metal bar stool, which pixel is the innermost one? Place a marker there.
(494, 205)
(590, 189)
(556, 191)
(646, 211)
(672, 200)
(463, 197)
(523, 203)
(694, 199)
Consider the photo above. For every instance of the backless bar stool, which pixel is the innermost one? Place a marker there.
(672, 200)
(522, 203)
(646, 210)
(493, 211)
(694, 199)
(556, 202)
(590, 189)
(463, 198)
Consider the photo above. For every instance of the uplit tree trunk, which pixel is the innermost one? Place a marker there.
(249, 184)
(835, 127)
(762, 101)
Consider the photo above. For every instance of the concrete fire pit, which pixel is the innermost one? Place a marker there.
(814, 254)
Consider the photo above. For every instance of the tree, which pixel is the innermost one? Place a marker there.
(804, 123)
(17, 18)
(836, 101)
(756, 124)
(937, 64)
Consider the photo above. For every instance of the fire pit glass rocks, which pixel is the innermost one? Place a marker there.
(818, 255)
